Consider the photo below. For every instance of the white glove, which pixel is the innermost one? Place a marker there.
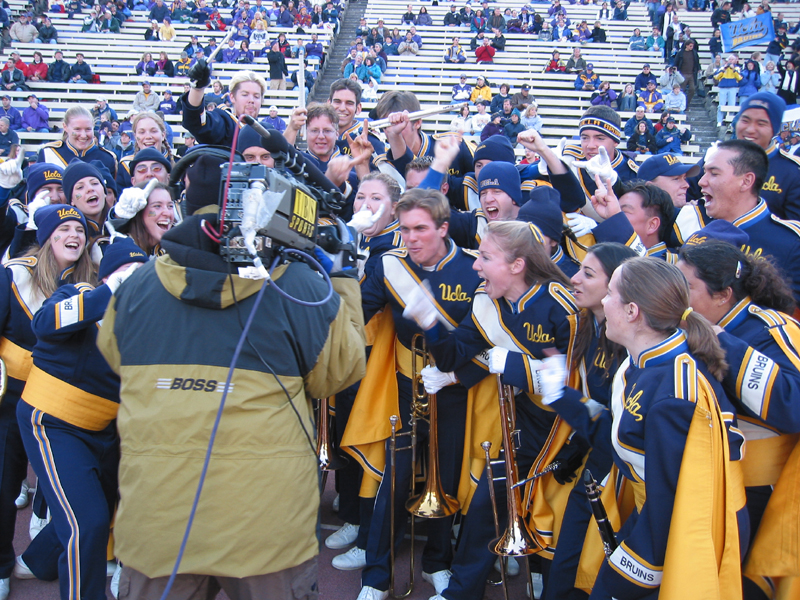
(40, 200)
(599, 165)
(115, 279)
(420, 308)
(560, 153)
(11, 171)
(132, 200)
(433, 379)
(552, 375)
(580, 224)
(364, 219)
(497, 360)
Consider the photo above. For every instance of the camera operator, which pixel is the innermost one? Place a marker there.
(173, 379)
(247, 90)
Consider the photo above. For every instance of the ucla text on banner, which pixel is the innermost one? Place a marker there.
(747, 32)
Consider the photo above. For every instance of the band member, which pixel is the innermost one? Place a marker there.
(520, 313)
(247, 90)
(747, 297)
(429, 255)
(668, 412)
(78, 142)
(25, 283)
(759, 120)
(379, 232)
(596, 154)
(407, 140)
(734, 175)
(67, 417)
(594, 361)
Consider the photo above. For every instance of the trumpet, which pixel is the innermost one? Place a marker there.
(420, 114)
(433, 502)
(517, 540)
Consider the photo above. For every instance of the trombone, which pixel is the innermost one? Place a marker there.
(433, 502)
(517, 540)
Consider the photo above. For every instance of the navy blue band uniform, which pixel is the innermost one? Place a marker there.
(542, 319)
(62, 152)
(648, 427)
(67, 417)
(453, 283)
(19, 301)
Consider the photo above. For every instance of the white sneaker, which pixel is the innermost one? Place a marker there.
(370, 593)
(38, 524)
(439, 580)
(352, 560)
(335, 505)
(342, 538)
(115, 581)
(512, 566)
(5, 588)
(24, 496)
(21, 570)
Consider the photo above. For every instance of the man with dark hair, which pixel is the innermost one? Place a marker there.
(734, 174)
(759, 121)
(687, 62)
(649, 211)
(643, 78)
(407, 140)
(13, 115)
(58, 70)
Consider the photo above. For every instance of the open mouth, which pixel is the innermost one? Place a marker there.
(72, 246)
(164, 225)
(92, 200)
(492, 213)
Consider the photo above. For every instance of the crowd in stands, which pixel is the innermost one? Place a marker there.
(670, 90)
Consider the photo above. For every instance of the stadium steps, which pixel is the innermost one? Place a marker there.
(339, 49)
(703, 119)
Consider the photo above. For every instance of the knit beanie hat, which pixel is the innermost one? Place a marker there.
(502, 176)
(495, 148)
(772, 103)
(77, 170)
(49, 217)
(248, 137)
(150, 154)
(545, 214)
(121, 251)
(42, 174)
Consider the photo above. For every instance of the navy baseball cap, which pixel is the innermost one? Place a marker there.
(666, 164)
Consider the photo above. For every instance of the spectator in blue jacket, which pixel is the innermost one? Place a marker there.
(12, 114)
(587, 80)
(620, 11)
(670, 138)
(640, 83)
(229, 54)
(36, 117)
(751, 80)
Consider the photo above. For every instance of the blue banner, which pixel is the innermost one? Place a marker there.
(747, 32)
